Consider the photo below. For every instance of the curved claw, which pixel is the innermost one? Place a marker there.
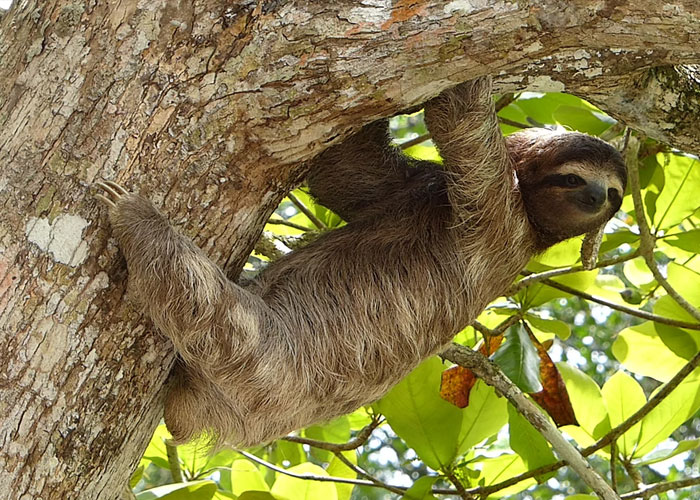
(112, 192)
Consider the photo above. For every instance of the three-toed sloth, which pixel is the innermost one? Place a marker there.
(334, 325)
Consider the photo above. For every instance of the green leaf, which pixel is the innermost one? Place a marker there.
(679, 197)
(335, 431)
(484, 417)
(195, 490)
(156, 452)
(497, 469)
(582, 119)
(558, 328)
(637, 272)
(586, 399)
(688, 240)
(670, 414)
(256, 495)
(519, 360)
(527, 442)
(581, 497)
(246, 476)
(136, 476)
(286, 451)
(641, 350)
(417, 413)
(423, 152)
(292, 488)
(337, 468)
(623, 396)
(665, 454)
(421, 489)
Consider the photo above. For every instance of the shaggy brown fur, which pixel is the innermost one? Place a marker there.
(334, 325)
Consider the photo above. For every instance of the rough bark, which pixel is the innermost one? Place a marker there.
(211, 109)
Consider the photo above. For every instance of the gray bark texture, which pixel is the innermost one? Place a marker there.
(210, 108)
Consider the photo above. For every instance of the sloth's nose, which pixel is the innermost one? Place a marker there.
(594, 195)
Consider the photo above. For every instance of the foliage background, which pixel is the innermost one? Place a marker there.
(611, 361)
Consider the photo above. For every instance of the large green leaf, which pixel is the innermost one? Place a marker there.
(527, 442)
(246, 476)
(497, 469)
(555, 326)
(623, 396)
(586, 399)
(292, 488)
(337, 468)
(679, 197)
(641, 350)
(665, 454)
(676, 408)
(519, 360)
(687, 240)
(417, 413)
(335, 431)
(484, 417)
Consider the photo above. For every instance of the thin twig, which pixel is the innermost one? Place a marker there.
(513, 123)
(613, 465)
(314, 477)
(282, 222)
(505, 100)
(416, 140)
(648, 241)
(490, 373)
(633, 473)
(531, 278)
(499, 329)
(655, 489)
(628, 310)
(458, 484)
(312, 217)
(363, 473)
(353, 444)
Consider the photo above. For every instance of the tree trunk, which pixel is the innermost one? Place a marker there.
(210, 109)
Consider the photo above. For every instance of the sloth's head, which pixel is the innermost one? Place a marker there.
(571, 183)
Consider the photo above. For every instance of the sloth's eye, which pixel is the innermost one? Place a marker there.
(573, 180)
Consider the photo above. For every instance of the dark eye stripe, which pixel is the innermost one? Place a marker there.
(562, 180)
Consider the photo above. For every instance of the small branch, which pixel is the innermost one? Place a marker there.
(500, 328)
(416, 140)
(312, 217)
(173, 461)
(655, 489)
(613, 465)
(314, 477)
(505, 100)
(492, 375)
(628, 310)
(353, 444)
(535, 277)
(512, 123)
(458, 484)
(633, 473)
(648, 241)
(282, 222)
(362, 473)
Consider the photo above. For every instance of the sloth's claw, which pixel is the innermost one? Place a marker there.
(113, 192)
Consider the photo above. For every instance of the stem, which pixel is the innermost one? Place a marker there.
(353, 444)
(629, 310)
(312, 217)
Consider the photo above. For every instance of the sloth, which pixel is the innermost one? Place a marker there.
(334, 325)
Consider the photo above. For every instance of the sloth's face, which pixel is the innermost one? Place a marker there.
(570, 183)
(573, 198)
